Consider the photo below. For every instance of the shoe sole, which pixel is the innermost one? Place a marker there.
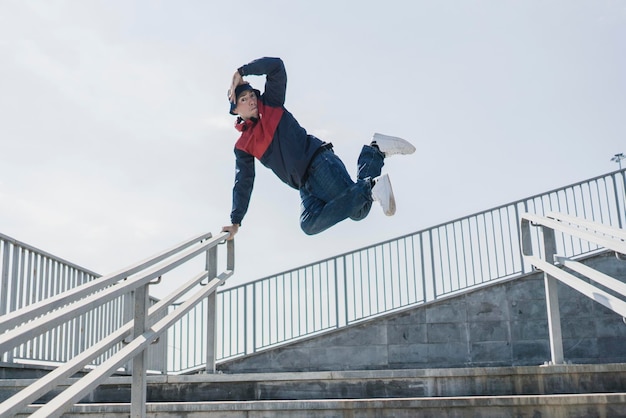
(409, 148)
(392, 200)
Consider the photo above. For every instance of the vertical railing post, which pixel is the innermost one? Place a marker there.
(127, 315)
(12, 302)
(520, 254)
(4, 289)
(623, 193)
(345, 290)
(4, 278)
(432, 263)
(254, 317)
(552, 299)
(211, 329)
(617, 200)
(336, 292)
(138, 389)
(230, 266)
(245, 320)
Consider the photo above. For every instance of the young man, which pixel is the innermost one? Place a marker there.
(272, 135)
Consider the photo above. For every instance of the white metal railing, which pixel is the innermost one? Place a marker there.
(148, 324)
(540, 249)
(34, 281)
(407, 271)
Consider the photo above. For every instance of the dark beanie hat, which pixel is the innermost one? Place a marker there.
(238, 90)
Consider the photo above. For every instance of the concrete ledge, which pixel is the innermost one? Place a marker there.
(547, 405)
(355, 374)
(404, 383)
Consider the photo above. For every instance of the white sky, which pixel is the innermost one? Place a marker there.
(116, 142)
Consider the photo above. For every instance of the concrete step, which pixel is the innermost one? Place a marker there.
(370, 384)
(553, 406)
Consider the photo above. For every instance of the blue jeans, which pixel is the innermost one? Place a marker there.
(329, 195)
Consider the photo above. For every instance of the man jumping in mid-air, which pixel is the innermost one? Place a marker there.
(272, 135)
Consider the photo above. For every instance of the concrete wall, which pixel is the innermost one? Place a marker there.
(501, 325)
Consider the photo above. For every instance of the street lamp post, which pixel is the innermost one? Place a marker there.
(618, 159)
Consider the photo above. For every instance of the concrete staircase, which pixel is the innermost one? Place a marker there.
(529, 391)
(475, 354)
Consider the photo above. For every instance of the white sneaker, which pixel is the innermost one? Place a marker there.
(391, 145)
(383, 193)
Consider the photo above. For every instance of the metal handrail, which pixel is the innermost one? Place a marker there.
(27, 313)
(602, 235)
(558, 267)
(107, 293)
(154, 326)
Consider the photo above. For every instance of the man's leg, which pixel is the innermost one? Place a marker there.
(369, 166)
(329, 195)
(370, 162)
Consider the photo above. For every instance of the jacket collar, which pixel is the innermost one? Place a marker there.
(243, 125)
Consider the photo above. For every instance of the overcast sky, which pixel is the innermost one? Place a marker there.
(116, 142)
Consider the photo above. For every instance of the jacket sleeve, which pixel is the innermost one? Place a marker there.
(275, 80)
(244, 182)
